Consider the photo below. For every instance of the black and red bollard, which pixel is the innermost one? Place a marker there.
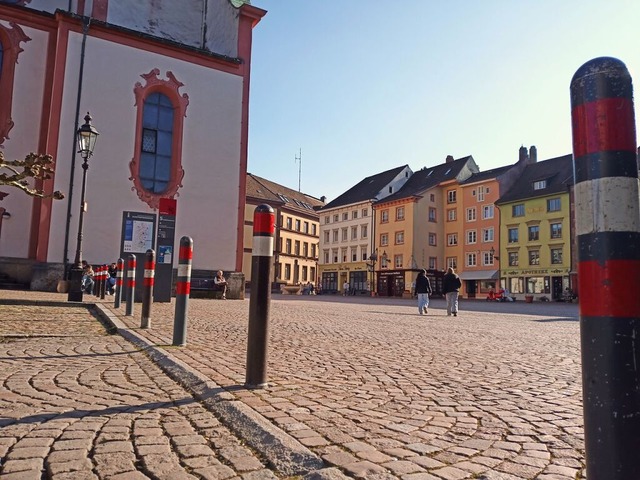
(97, 276)
(183, 288)
(608, 237)
(259, 303)
(119, 283)
(131, 284)
(147, 287)
(104, 275)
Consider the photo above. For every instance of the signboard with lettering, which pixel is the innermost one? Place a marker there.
(137, 236)
(166, 252)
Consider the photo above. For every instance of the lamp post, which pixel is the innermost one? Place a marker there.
(372, 268)
(86, 136)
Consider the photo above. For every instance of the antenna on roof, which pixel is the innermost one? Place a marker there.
(299, 160)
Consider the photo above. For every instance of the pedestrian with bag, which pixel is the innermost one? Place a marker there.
(451, 287)
(423, 290)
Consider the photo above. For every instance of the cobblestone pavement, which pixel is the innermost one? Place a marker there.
(379, 391)
(77, 403)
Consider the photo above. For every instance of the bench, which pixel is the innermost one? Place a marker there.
(204, 287)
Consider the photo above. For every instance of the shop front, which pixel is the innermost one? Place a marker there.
(478, 283)
(549, 283)
(333, 278)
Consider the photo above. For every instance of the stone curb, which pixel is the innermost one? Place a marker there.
(288, 456)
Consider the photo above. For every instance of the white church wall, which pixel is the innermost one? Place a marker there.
(208, 201)
(26, 113)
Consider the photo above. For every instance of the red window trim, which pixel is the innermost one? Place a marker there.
(11, 39)
(170, 88)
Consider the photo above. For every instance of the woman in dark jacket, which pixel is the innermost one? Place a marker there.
(450, 287)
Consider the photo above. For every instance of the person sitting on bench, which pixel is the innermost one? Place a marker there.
(221, 283)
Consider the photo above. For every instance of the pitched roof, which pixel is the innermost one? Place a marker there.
(366, 189)
(489, 174)
(263, 189)
(558, 173)
(428, 178)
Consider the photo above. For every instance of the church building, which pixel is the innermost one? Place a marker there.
(167, 86)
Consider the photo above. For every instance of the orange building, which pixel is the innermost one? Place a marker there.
(410, 230)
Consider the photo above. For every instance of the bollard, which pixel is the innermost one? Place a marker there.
(97, 272)
(259, 303)
(608, 240)
(147, 285)
(131, 284)
(103, 281)
(183, 288)
(119, 283)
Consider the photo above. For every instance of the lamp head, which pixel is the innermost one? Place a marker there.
(87, 136)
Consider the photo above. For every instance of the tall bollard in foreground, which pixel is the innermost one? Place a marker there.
(608, 233)
(263, 232)
(147, 285)
(131, 284)
(183, 288)
(119, 283)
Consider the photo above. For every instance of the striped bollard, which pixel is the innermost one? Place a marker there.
(131, 284)
(103, 281)
(97, 276)
(259, 303)
(119, 283)
(147, 285)
(608, 234)
(183, 288)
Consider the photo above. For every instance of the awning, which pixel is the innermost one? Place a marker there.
(480, 275)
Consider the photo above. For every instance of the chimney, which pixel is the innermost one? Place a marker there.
(522, 154)
(323, 199)
(533, 154)
(449, 158)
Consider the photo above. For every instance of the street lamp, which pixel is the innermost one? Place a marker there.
(493, 254)
(372, 268)
(86, 136)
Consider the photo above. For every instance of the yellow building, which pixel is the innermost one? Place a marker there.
(535, 239)
(295, 257)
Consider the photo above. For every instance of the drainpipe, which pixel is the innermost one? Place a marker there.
(85, 30)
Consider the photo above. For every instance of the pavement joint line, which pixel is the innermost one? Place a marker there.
(287, 455)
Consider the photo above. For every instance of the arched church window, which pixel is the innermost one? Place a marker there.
(157, 135)
(156, 167)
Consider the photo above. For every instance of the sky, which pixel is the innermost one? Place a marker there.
(355, 87)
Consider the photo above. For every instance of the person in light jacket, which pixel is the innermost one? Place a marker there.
(451, 287)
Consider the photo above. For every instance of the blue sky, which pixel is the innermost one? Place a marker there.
(360, 87)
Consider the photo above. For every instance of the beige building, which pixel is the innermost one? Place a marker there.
(295, 256)
(347, 236)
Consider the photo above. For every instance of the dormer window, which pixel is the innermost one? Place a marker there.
(540, 184)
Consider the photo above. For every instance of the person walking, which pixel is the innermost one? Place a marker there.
(345, 288)
(423, 290)
(451, 287)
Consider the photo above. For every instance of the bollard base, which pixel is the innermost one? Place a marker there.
(256, 386)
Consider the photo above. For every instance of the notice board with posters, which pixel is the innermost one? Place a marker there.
(166, 253)
(137, 236)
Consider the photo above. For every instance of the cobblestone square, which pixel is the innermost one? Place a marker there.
(378, 390)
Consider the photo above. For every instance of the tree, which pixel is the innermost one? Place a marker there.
(35, 165)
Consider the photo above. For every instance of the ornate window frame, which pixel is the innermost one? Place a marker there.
(11, 38)
(169, 88)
